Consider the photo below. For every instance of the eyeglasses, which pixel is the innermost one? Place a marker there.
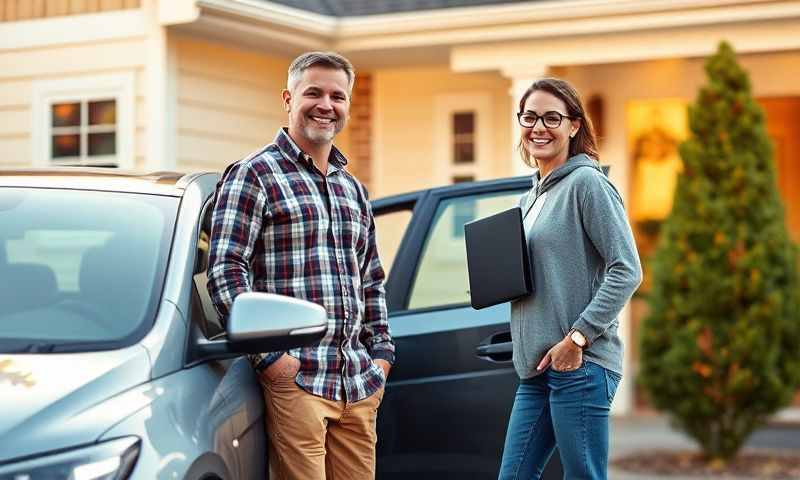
(550, 119)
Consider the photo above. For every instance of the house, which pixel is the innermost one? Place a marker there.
(194, 84)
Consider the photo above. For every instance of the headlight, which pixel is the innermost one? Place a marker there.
(112, 460)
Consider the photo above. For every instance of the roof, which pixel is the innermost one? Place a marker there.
(357, 8)
(105, 179)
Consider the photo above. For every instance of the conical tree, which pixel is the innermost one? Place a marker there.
(721, 345)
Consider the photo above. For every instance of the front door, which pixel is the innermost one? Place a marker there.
(783, 128)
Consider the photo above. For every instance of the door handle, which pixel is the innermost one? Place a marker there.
(493, 349)
(496, 348)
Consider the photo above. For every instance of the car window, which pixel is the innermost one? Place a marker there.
(80, 266)
(389, 230)
(203, 313)
(442, 274)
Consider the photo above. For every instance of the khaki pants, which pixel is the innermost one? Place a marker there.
(312, 438)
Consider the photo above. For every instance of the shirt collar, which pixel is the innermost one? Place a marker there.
(291, 150)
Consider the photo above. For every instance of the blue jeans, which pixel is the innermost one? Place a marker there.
(564, 409)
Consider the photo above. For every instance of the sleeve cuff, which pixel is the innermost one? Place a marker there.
(383, 354)
(267, 359)
(587, 330)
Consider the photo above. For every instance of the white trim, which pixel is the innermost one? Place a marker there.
(469, 25)
(155, 98)
(483, 15)
(568, 27)
(174, 12)
(278, 15)
(259, 36)
(444, 106)
(72, 29)
(116, 86)
(698, 41)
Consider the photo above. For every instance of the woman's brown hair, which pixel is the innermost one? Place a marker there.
(585, 140)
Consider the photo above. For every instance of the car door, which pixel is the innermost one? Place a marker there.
(450, 393)
(234, 421)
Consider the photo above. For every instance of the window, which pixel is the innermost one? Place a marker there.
(462, 121)
(84, 121)
(464, 211)
(464, 138)
(389, 231)
(203, 314)
(86, 266)
(84, 133)
(442, 274)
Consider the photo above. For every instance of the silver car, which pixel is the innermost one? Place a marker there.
(113, 364)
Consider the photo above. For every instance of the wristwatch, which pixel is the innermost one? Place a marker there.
(577, 338)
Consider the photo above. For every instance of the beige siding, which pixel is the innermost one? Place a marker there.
(403, 129)
(14, 151)
(228, 103)
(22, 68)
(15, 10)
(58, 61)
(15, 123)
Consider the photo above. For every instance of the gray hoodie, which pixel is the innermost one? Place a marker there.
(585, 266)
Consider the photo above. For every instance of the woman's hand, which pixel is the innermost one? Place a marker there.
(564, 356)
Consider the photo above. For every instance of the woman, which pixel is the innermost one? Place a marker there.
(567, 351)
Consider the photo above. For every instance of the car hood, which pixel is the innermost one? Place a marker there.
(56, 401)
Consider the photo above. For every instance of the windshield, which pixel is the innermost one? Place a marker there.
(80, 270)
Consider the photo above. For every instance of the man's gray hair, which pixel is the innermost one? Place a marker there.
(319, 59)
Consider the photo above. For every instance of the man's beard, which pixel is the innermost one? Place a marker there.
(319, 135)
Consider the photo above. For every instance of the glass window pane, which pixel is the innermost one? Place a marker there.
(463, 122)
(86, 265)
(102, 144)
(66, 146)
(389, 231)
(66, 114)
(103, 112)
(464, 152)
(442, 274)
(464, 211)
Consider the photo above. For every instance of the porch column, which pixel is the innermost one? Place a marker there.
(520, 81)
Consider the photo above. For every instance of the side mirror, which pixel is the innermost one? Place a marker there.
(265, 322)
(260, 323)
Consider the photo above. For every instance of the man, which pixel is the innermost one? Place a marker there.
(295, 221)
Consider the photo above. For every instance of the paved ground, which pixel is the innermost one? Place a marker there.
(629, 434)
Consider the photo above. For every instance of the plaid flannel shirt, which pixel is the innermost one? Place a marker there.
(278, 220)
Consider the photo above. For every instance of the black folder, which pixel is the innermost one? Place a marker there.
(497, 259)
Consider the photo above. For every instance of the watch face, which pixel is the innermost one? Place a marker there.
(578, 339)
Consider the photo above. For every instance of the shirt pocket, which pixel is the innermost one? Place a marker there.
(297, 214)
(355, 223)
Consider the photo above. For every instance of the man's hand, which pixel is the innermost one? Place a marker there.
(285, 366)
(564, 356)
(385, 366)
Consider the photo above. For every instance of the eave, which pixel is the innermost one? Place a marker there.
(286, 30)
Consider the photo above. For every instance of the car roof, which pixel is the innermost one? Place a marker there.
(456, 188)
(104, 179)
